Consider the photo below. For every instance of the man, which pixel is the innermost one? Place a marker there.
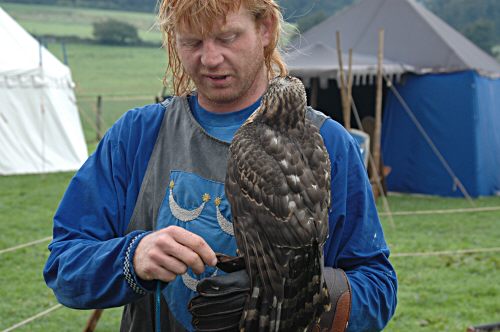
(149, 204)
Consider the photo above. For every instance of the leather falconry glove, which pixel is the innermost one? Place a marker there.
(221, 299)
(337, 318)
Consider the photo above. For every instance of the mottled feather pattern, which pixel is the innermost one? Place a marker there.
(278, 184)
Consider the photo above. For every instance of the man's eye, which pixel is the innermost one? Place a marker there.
(191, 43)
(228, 38)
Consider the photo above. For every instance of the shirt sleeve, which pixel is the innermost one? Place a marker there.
(90, 262)
(356, 241)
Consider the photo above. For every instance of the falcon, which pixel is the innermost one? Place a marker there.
(278, 185)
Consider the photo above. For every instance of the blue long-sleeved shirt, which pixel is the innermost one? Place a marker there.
(89, 250)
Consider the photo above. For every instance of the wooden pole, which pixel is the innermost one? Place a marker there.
(484, 328)
(378, 107)
(314, 92)
(343, 92)
(347, 116)
(93, 320)
(98, 119)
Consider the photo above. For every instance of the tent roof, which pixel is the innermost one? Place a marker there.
(413, 35)
(21, 55)
(320, 60)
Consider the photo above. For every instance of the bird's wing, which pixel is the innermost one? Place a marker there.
(277, 201)
(286, 182)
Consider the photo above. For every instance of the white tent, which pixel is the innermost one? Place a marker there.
(40, 129)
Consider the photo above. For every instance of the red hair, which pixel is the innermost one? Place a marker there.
(201, 16)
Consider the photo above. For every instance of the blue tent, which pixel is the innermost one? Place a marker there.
(460, 113)
(452, 91)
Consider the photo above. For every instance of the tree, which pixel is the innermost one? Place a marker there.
(481, 32)
(307, 22)
(496, 52)
(115, 32)
(477, 20)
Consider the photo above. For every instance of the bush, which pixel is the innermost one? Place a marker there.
(482, 33)
(115, 32)
(496, 52)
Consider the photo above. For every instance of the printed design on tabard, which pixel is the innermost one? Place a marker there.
(183, 214)
(224, 224)
(191, 282)
(198, 205)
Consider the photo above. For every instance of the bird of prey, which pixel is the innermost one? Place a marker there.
(278, 185)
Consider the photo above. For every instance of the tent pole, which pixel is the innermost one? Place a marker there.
(340, 76)
(378, 108)
(347, 112)
(65, 54)
(314, 92)
(375, 176)
(42, 104)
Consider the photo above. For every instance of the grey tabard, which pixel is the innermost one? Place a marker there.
(182, 144)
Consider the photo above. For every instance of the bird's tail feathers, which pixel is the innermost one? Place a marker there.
(304, 298)
(306, 295)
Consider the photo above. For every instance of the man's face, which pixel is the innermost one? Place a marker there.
(227, 64)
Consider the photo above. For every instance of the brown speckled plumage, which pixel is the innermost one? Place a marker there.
(278, 184)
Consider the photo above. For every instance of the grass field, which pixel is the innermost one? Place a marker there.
(68, 21)
(436, 293)
(125, 77)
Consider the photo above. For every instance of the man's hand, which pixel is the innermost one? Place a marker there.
(166, 253)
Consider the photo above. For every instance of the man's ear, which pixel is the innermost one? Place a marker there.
(267, 26)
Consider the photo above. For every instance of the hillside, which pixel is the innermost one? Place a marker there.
(478, 20)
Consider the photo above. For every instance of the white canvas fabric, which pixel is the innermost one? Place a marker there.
(40, 129)
(320, 60)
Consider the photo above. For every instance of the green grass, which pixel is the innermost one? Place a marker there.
(26, 204)
(448, 292)
(436, 293)
(68, 21)
(114, 70)
(125, 77)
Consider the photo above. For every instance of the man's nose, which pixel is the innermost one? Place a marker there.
(211, 54)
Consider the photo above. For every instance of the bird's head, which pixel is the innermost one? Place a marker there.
(284, 102)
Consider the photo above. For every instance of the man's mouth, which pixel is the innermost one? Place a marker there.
(217, 77)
